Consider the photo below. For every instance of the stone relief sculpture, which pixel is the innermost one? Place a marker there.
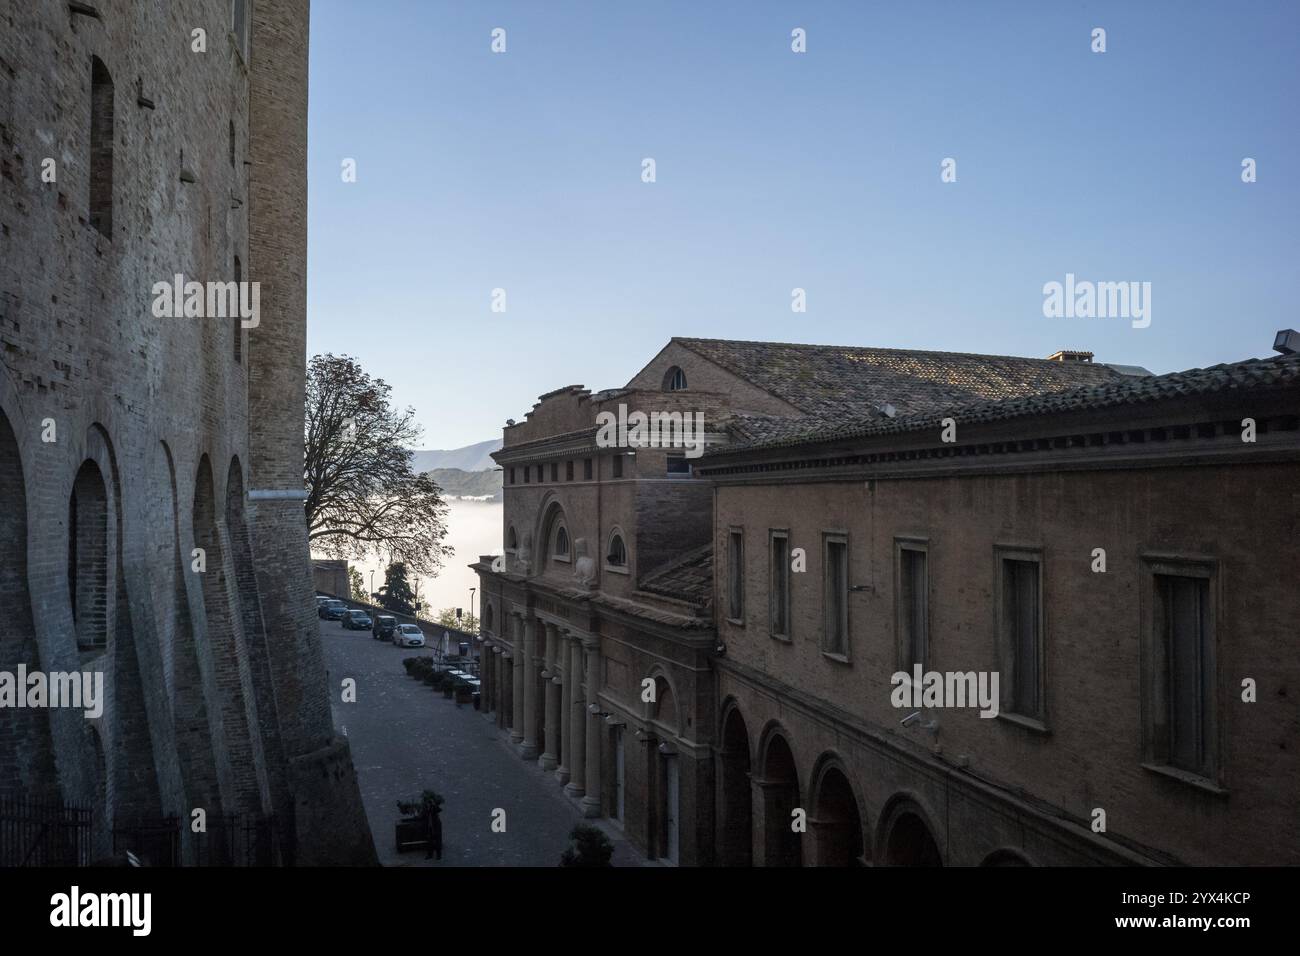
(584, 565)
(524, 554)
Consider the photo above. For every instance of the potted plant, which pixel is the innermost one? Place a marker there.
(463, 691)
(448, 685)
(420, 825)
(587, 847)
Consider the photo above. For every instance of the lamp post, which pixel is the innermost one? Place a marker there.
(372, 584)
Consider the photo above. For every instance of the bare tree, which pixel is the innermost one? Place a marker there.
(362, 496)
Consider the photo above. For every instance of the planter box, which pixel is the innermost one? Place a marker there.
(411, 835)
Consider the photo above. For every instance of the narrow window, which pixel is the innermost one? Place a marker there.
(539, 474)
(555, 471)
(1185, 654)
(527, 470)
(101, 148)
(512, 475)
(736, 575)
(586, 469)
(679, 466)
(238, 322)
(617, 465)
(617, 556)
(674, 380)
(239, 26)
(913, 607)
(779, 585)
(568, 470)
(232, 144)
(1022, 637)
(562, 542)
(835, 585)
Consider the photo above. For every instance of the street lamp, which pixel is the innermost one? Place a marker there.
(372, 584)
(471, 603)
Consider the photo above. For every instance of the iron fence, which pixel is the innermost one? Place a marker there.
(41, 833)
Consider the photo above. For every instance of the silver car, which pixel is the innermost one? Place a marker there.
(408, 635)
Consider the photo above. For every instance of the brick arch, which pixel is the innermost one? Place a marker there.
(220, 623)
(906, 835)
(132, 774)
(779, 794)
(183, 672)
(841, 832)
(245, 597)
(735, 793)
(27, 758)
(665, 710)
(88, 555)
(550, 513)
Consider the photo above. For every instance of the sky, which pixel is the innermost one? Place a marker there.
(777, 170)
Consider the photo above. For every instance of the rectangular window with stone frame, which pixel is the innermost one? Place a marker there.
(1020, 630)
(1179, 691)
(736, 575)
(835, 595)
(778, 584)
(912, 602)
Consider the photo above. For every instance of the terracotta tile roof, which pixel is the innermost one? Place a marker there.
(1278, 372)
(836, 381)
(688, 578)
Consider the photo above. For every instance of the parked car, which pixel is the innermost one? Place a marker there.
(332, 610)
(382, 629)
(408, 635)
(355, 620)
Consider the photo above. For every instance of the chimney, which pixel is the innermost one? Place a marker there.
(1065, 355)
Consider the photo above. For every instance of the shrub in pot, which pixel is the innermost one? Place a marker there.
(588, 846)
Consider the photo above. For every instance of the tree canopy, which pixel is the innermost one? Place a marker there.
(362, 496)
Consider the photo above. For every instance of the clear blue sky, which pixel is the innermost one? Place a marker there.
(522, 170)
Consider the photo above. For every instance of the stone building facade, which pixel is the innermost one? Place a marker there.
(152, 467)
(869, 510)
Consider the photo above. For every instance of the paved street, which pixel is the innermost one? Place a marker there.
(406, 737)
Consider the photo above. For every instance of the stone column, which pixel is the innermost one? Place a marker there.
(563, 657)
(591, 800)
(577, 785)
(517, 658)
(552, 685)
(502, 690)
(528, 748)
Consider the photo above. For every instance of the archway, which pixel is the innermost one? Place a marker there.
(27, 759)
(909, 842)
(221, 623)
(183, 677)
(778, 789)
(835, 824)
(88, 556)
(735, 796)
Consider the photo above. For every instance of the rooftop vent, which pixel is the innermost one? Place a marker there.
(1065, 355)
(1287, 342)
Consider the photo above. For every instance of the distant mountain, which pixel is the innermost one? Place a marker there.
(457, 482)
(469, 458)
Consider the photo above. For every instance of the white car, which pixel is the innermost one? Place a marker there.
(408, 635)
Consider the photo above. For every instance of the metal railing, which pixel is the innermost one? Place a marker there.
(43, 833)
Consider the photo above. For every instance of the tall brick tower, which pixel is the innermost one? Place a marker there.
(329, 819)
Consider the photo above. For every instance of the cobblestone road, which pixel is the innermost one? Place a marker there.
(406, 737)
